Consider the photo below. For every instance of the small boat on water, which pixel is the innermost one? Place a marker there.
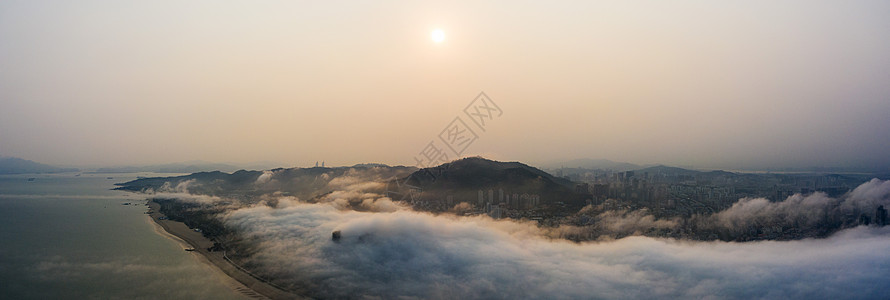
(32, 179)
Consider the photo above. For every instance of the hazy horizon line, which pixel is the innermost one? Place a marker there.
(552, 165)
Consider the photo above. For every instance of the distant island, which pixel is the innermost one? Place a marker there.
(14, 165)
(185, 167)
(171, 168)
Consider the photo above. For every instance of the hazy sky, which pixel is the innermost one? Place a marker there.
(746, 84)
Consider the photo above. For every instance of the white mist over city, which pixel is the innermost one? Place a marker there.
(442, 150)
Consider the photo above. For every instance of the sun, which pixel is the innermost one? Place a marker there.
(438, 36)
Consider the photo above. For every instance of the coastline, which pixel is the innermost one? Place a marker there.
(255, 288)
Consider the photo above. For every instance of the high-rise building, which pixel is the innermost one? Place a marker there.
(601, 190)
(880, 216)
(582, 188)
(495, 212)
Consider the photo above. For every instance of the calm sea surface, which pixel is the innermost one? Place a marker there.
(69, 237)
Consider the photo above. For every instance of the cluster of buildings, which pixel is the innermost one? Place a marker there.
(507, 200)
(679, 192)
(496, 204)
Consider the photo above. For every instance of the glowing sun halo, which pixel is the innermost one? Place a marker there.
(438, 36)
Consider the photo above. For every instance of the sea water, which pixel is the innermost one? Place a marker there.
(69, 236)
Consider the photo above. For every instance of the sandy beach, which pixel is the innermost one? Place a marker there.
(252, 286)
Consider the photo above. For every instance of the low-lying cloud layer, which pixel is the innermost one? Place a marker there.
(387, 250)
(803, 211)
(402, 253)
